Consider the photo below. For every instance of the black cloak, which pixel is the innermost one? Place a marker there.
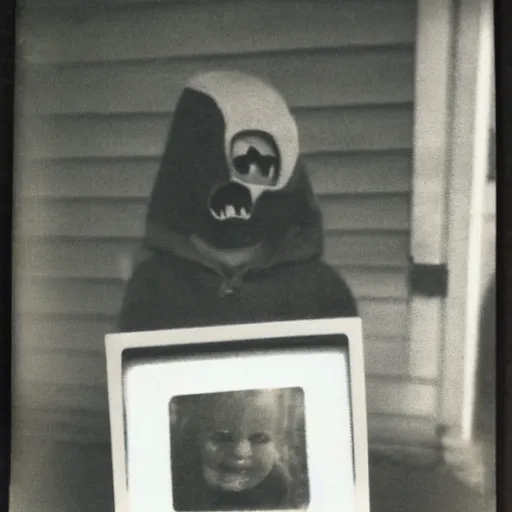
(175, 284)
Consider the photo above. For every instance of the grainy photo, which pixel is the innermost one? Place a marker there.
(239, 450)
(202, 163)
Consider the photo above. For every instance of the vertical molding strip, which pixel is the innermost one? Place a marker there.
(471, 114)
(483, 99)
(430, 162)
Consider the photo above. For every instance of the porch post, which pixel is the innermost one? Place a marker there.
(468, 171)
(430, 164)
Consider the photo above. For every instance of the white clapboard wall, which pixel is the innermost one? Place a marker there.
(99, 84)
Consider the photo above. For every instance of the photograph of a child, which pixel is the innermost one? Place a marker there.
(239, 450)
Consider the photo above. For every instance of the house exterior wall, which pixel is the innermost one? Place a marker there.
(98, 85)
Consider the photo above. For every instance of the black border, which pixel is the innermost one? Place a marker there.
(7, 45)
(503, 66)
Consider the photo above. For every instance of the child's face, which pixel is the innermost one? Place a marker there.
(238, 446)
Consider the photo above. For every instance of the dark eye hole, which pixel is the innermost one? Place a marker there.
(242, 163)
(222, 436)
(260, 438)
(266, 163)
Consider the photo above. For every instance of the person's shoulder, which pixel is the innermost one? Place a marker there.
(322, 283)
(322, 273)
(154, 288)
(334, 291)
(156, 266)
(314, 268)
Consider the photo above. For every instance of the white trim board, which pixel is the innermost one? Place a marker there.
(430, 164)
(451, 125)
(467, 188)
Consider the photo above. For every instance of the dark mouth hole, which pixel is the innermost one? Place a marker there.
(229, 198)
(231, 468)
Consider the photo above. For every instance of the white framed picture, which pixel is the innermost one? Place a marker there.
(267, 416)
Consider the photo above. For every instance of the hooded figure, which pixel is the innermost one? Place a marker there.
(233, 233)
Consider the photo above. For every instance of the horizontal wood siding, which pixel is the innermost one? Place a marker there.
(152, 85)
(375, 172)
(99, 87)
(160, 30)
(415, 400)
(125, 217)
(333, 129)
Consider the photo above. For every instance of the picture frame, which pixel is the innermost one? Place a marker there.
(305, 372)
